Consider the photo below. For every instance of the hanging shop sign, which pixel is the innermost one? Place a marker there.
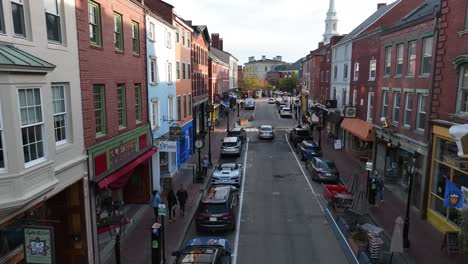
(175, 130)
(123, 152)
(39, 244)
(167, 146)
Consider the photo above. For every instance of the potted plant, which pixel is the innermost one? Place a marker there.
(357, 240)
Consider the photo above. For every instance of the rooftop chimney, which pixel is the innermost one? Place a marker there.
(320, 44)
(215, 40)
(263, 57)
(252, 58)
(279, 58)
(379, 5)
(221, 44)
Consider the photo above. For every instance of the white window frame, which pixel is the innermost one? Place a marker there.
(153, 70)
(462, 105)
(384, 103)
(411, 58)
(183, 36)
(400, 49)
(396, 107)
(169, 72)
(335, 72)
(170, 109)
(356, 71)
(189, 36)
(155, 114)
(345, 71)
(372, 70)
(22, 4)
(63, 112)
(421, 111)
(370, 106)
(355, 97)
(426, 55)
(2, 144)
(36, 124)
(344, 97)
(408, 109)
(53, 8)
(151, 31)
(177, 33)
(168, 39)
(178, 70)
(388, 61)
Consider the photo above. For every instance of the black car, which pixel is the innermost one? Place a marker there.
(322, 170)
(299, 134)
(216, 210)
(238, 132)
(308, 149)
(206, 250)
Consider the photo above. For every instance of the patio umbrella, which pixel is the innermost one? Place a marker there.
(396, 245)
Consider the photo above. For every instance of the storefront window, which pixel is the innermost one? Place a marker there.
(438, 179)
(163, 161)
(446, 151)
(454, 215)
(437, 204)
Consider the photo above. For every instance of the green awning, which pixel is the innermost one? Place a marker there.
(14, 59)
(457, 61)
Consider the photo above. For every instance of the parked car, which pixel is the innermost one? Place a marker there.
(271, 101)
(308, 149)
(227, 173)
(322, 170)
(266, 132)
(281, 106)
(216, 210)
(286, 112)
(298, 134)
(238, 132)
(198, 250)
(249, 103)
(231, 146)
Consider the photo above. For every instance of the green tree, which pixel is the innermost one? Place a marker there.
(289, 84)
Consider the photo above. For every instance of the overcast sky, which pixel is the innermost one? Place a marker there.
(287, 28)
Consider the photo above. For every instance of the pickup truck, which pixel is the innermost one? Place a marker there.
(299, 134)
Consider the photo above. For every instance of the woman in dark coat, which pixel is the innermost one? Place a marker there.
(171, 204)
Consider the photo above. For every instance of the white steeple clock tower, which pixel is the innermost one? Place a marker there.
(331, 23)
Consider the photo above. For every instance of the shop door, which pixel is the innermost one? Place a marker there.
(137, 189)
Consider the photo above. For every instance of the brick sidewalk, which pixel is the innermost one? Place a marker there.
(425, 239)
(136, 244)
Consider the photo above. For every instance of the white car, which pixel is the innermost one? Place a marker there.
(227, 173)
(266, 132)
(286, 112)
(271, 101)
(249, 103)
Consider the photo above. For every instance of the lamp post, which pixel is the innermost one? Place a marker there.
(210, 126)
(116, 228)
(238, 106)
(410, 170)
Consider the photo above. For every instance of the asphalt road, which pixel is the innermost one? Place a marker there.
(280, 217)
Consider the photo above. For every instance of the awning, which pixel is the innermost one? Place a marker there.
(334, 118)
(359, 128)
(125, 170)
(14, 59)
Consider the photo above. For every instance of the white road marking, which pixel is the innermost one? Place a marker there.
(303, 173)
(241, 198)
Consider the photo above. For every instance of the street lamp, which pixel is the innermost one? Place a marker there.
(410, 168)
(227, 125)
(238, 106)
(116, 228)
(210, 126)
(319, 127)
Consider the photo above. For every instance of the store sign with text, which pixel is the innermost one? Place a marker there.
(167, 146)
(123, 152)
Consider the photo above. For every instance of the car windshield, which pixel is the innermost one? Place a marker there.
(229, 144)
(327, 165)
(233, 133)
(196, 255)
(302, 133)
(310, 147)
(227, 166)
(213, 208)
(265, 129)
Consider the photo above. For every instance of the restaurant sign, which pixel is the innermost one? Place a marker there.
(39, 244)
(123, 152)
(167, 146)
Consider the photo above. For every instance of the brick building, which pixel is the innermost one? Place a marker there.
(218, 85)
(112, 54)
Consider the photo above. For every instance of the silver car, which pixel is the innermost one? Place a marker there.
(266, 132)
(231, 146)
(227, 173)
(286, 112)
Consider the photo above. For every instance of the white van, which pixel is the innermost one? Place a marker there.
(249, 103)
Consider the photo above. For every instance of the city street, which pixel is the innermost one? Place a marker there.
(280, 217)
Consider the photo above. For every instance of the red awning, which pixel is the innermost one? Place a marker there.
(126, 169)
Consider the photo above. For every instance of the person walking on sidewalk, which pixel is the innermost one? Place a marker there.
(155, 204)
(182, 197)
(171, 204)
(380, 186)
(205, 164)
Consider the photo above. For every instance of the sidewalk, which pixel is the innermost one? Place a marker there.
(136, 245)
(424, 238)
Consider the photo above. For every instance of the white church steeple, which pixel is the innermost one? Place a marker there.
(331, 23)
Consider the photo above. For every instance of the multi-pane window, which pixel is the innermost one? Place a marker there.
(179, 110)
(188, 72)
(138, 105)
(169, 72)
(177, 33)
(356, 71)
(345, 72)
(426, 56)
(421, 119)
(170, 108)
(408, 109)
(178, 70)
(17, 13)
(185, 106)
(60, 113)
(384, 103)
(136, 38)
(396, 107)
(399, 59)
(183, 70)
(463, 90)
(372, 68)
(355, 97)
(153, 71)
(99, 108)
(118, 36)
(32, 124)
(121, 105)
(168, 39)
(151, 31)
(190, 104)
(2, 148)
(344, 98)
(188, 39)
(154, 114)
(411, 58)
(335, 71)
(388, 60)
(183, 36)
(52, 15)
(94, 17)
(370, 106)
(2, 21)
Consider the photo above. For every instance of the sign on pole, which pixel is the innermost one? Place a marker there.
(368, 166)
(162, 209)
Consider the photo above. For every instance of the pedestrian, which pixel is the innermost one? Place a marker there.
(205, 164)
(172, 205)
(155, 204)
(182, 197)
(379, 186)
